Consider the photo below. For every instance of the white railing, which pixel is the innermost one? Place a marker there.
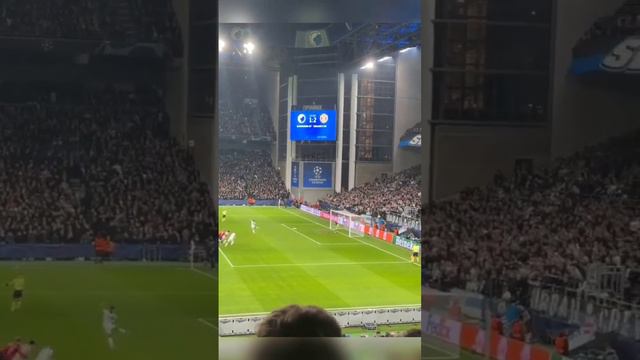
(247, 325)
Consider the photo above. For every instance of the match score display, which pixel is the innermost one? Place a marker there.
(313, 125)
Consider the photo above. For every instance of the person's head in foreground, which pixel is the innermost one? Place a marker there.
(296, 349)
(298, 321)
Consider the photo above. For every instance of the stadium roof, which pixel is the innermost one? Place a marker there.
(321, 44)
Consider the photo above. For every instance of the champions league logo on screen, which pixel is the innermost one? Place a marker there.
(317, 175)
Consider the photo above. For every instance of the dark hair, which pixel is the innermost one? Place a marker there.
(298, 321)
(298, 348)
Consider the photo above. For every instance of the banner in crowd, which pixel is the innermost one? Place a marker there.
(379, 233)
(414, 141)
(246, 202)
(610, 45)
(87, 251)
(347, 223)
(591, 316)
(312, 211)
(441, 327)
(295, 175)
(404, 242)
(472, 338)
(500, 347)
(318, 175)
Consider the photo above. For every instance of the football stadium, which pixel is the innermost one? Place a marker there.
(107, 235)
(319, 182)
(531, 225)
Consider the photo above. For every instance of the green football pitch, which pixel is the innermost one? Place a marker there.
(294, 258)
(167, 310)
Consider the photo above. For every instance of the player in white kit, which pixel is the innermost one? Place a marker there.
(109, 319)
(45, 354)
(254, 226)
(230, 240)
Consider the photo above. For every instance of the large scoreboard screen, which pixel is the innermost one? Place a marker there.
(313, 125)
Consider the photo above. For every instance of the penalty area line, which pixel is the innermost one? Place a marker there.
(204, 273)
(317, 242)
(226, 258)
(301, 234)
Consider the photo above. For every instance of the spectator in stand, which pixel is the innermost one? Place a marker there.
(553, 227)
(386, 194)
(142, 20)
(249, 174)
(103, 162)
(248, 120)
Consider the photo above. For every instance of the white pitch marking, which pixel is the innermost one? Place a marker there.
(363, 242)
(203, 321)
(225, 256)
(299, 233)
(317, 242)
(322, 264)
(204, 273)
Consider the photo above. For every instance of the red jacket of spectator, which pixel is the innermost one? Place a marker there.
(496, 325)
(518, 330)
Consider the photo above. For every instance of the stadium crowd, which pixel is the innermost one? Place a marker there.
(248, 174)
(126, 20)
(106, 163)
(386, 194)
(555, 227)
(246, 121)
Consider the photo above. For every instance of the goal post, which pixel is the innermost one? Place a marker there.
(199, 256)
(354, 224)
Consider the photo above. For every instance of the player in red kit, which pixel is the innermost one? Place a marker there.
(10, 350)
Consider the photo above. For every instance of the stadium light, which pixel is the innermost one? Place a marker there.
(221, 45)
(384, 58)
(368, 66)
(249, 47)
(407, 49)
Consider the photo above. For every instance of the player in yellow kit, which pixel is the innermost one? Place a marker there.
(415, 254)
(18, 292)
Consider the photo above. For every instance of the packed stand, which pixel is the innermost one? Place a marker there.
(145, 20)
(386, 194)
(157, 22)
(249, 174)
(248, 120)
(101, 165)
(555, 227)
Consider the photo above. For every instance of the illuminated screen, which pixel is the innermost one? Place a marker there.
(313, 125)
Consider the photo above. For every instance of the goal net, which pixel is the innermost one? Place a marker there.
(343, 220)
(200, 257)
